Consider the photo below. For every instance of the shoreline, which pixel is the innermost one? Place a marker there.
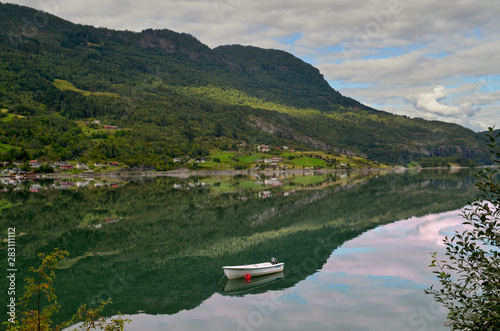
(229, 172)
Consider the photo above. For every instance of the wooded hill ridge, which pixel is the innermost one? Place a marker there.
(165, 94)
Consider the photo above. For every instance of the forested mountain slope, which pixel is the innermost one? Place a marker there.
(172, 95)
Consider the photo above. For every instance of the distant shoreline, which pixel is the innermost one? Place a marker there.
(190, 173)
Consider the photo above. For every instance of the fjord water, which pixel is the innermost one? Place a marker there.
(355, 246)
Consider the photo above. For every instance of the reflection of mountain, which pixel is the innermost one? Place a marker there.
(166, 252)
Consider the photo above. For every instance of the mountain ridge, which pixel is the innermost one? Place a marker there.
(177, 96)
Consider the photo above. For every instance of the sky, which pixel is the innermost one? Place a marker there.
(434, 59)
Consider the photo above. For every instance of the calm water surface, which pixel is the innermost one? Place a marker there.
(355, 246)
(373, 282)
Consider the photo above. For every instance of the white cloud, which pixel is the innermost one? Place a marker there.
(430, 102)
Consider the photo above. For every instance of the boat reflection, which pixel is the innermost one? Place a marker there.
(236, 286)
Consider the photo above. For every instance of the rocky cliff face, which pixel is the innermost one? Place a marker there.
(267, 127)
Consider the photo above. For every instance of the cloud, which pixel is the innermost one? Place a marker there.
(429, 102)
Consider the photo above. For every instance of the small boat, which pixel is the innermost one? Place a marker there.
(252, 270)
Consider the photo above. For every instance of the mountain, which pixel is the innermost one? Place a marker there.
(172, 95)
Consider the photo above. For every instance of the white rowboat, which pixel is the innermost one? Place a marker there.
(259, 269)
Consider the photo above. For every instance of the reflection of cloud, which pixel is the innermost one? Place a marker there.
(373, 282)
(394, 249)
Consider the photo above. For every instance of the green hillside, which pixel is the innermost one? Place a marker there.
(170, 95)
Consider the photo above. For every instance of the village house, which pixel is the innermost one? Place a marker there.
(273, 182)
(111, 127)
(180, 159)
(35, 187)
(82, 183)
(66, 167)
(64, 185)
(82, 166)
(264, 194)
(35, 164)
(12, 171)
(264, 148)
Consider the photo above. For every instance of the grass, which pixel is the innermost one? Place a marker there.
(249, 159)
(69, 262)
(5, 148)
(226, 161)
(246, 184)
(5, 205)
(108, 169)
(306, 180)
(221, 185)
(9, 117)
(236, 97)
(224, 156)
(228, 184)
(64, 85)
(293, 160)
(308, 161)
(216, 165)
(88, 131)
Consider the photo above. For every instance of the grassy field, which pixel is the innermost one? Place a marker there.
(227, 160)
(292, 160)
(64, 85)
(236, 97)
(306, 180)
(308, 161)
(5, 147)
(5, 205)
(9, 117)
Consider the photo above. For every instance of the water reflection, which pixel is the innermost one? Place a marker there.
(373, 282)
(156, 246)
(239, 286)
